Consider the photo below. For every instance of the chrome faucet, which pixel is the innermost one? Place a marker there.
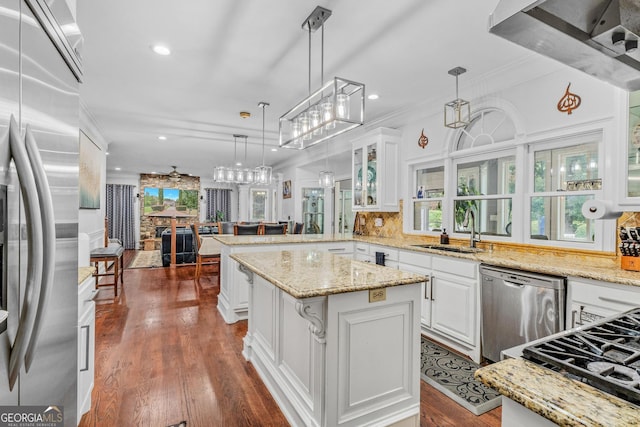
(469, 215)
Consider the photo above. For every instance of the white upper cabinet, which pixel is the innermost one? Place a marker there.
(375, 171)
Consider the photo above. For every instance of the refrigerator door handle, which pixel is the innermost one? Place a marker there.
(33, 221)
(48, 240)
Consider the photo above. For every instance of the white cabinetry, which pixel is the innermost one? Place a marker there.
(419, 263)
(344, 249)
(86, 344)
(375, 171)
(451, 300)
(591, 300)
(361, 252)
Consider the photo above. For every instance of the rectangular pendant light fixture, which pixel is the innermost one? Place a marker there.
(337, 107)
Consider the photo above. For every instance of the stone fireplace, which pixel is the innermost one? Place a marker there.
(151, 227)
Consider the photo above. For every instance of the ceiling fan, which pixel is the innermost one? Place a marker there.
(174, 175)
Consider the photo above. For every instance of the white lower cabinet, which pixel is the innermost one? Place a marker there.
(86, 345)
(591, 300)
(450, 300)
(454, 306)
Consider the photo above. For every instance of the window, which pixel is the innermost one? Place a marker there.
(491, 126)
(563, 179)
(427, 202)
(484, 191)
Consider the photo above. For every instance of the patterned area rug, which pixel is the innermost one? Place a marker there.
(453, 376)
(146, 259)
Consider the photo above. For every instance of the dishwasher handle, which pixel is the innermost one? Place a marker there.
(513, 285)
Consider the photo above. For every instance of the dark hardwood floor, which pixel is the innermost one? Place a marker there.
(164, 355)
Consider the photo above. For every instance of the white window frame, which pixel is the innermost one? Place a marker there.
(409, 208)
(603, 229)
(498, 150)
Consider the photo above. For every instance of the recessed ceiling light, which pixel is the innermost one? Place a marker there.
(118, 169)
(107, 153)
(161, 49)
(154, 172)
(274, 149)
(162, 138)
(373, 96)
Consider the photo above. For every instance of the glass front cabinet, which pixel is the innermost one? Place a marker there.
(375, 171)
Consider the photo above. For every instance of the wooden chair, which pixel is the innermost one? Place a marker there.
(110, 253)
(246, 229)
(207, 251)
(274, 229)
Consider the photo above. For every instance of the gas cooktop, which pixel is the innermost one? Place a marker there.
(605, 355)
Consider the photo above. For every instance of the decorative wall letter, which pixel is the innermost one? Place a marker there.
(423, 140)
(569, 102)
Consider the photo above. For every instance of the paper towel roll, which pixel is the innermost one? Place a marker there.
(599, 209)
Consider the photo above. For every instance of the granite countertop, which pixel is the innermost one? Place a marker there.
(564, 401)
(84, 272)
(558, 265)
(276, 239)
(304, 274)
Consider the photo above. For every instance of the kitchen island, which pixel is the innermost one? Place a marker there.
(336, 341)
(234, 293)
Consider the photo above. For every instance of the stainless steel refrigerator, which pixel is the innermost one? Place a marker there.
(39, 163)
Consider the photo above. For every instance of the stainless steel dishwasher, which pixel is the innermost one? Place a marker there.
(518, 307)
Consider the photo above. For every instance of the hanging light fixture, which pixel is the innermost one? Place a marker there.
(248, 175)
(457, 113)
(326, 178)
(337, 107)
(262, 174)
(233, 174)
(174, 175)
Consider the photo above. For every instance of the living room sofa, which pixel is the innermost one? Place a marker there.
(185, 250)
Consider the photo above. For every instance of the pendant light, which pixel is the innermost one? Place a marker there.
(335, 108)
(457, 113)
(247, 174)
(263, 173)
(326, 178)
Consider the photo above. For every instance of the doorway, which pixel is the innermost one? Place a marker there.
(313, 210)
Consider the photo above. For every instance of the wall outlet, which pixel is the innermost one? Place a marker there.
(378, 222)
(362, 221)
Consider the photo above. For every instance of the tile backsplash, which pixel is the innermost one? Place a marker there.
(392, 227)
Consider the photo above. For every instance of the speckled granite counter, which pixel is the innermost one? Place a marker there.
(277, 239)
(563, 401)
(84, 272)
(305, 274)
(535, 260)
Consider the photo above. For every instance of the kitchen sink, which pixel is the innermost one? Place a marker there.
(446, 248)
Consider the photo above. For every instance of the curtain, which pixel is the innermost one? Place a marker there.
(218, 199)
(121, 214)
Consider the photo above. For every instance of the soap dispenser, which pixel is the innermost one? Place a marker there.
(444, 237)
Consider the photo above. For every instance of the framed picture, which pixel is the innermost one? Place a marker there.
(89, 177)
(286, 189)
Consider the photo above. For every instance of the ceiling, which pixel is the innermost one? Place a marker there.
(227, 55)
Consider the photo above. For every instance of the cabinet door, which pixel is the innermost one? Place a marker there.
(425, 300)
(370, 176)
(454, 306)
(358, 187)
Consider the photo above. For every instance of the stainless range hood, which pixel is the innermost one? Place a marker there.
(599, 37)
